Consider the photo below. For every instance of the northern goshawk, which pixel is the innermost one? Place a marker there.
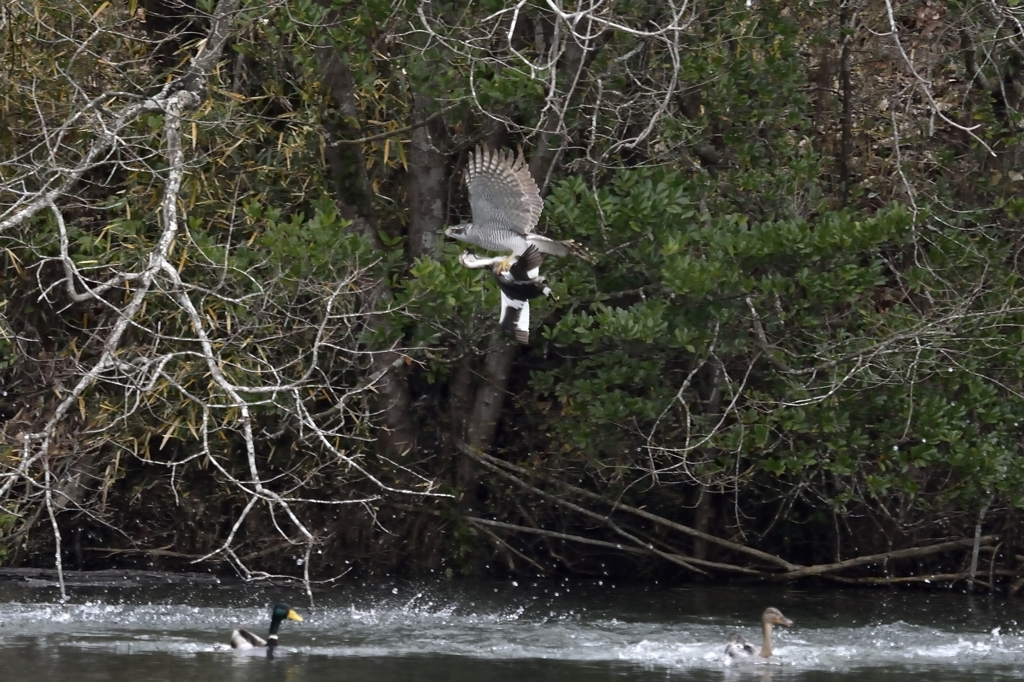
(518, 282)
(506, 205)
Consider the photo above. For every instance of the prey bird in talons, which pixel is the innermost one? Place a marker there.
(519, 280)
(506, 205)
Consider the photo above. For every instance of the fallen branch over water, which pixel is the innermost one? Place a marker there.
(51, 577)
(636, 545)
(929, 579)
(615, 546)
(504, 468)
(910, 553)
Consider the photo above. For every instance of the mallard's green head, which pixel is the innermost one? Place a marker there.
(281, 612)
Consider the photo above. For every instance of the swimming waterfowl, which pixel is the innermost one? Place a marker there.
(243, 639)
(740, 648)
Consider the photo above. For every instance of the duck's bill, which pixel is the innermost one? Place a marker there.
(294, 616)
(785, 621)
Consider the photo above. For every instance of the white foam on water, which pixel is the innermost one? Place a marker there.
(534, 626)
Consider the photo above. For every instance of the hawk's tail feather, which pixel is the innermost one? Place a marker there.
(559, 248)
(578, 250)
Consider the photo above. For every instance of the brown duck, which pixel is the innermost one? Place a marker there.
(740, 648)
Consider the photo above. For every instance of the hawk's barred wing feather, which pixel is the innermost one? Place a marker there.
(506, 206)
(502, 193)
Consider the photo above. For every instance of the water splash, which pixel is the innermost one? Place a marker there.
(667, 630)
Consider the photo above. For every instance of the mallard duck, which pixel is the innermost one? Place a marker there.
(243, 639)
(740, 648)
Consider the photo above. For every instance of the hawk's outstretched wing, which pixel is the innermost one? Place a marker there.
(506, 206)
(502, 193)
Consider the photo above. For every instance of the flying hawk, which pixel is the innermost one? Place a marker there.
(519, 280)
(506, 206)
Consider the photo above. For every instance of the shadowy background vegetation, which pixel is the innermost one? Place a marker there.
(800, 343)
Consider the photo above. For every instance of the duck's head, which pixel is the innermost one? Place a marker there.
(282, 612)
(772, 616)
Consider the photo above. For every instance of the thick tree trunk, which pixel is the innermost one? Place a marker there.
(846, 88)
(702, 517)
(485, 414)
(490, 396)
(461, 397)
(461, 391)
(351, 190)
(428, 171)
(705, 510)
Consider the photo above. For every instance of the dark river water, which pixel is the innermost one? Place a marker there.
(477, 632)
